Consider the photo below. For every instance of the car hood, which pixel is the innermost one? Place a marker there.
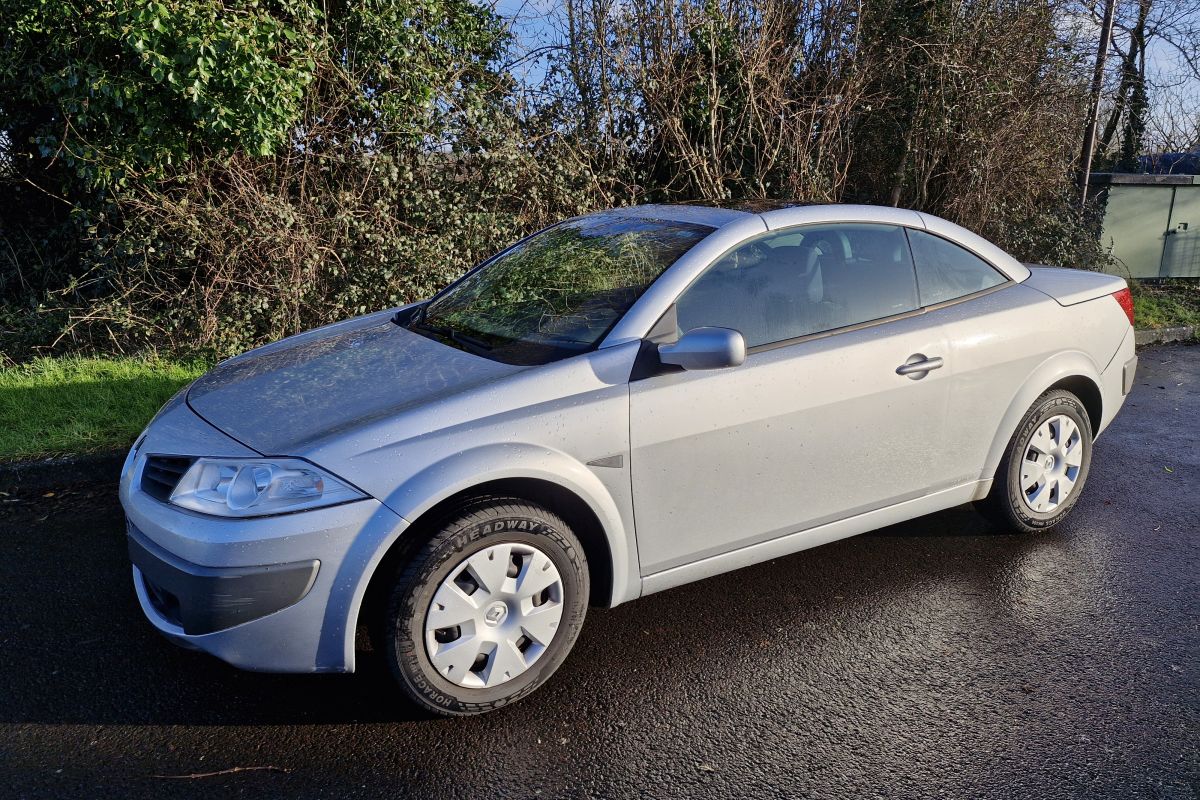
(284, 398)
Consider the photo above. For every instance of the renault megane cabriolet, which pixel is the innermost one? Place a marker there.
(621, 403)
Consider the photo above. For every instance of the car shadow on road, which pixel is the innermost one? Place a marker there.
(76, 648)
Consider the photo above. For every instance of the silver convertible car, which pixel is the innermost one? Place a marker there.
(621, 403)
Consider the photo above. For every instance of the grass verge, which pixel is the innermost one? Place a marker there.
(1167, 304)
(73, 405)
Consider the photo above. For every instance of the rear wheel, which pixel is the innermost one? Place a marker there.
(486, 610)
(1043, 471)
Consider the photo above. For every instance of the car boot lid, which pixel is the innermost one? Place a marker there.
(1071, 286)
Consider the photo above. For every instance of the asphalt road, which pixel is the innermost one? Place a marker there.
(934, 658)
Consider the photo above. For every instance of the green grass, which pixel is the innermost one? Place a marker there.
(1166, 304)
(73, 405)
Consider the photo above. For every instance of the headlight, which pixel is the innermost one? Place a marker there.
(242, 487)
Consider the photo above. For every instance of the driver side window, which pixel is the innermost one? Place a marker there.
(804, 280)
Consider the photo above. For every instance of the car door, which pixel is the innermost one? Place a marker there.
(817, 424)
(993, 346)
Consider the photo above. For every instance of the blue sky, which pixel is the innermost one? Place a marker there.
(533, 27)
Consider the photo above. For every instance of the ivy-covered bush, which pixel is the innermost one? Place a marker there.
(118, 91)
(200, 174)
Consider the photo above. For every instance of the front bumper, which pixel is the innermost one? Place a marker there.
(200, 599)
(271, 594)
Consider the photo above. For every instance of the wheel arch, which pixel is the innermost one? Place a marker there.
(1073, 371)
(550, 479)
(1088, 392)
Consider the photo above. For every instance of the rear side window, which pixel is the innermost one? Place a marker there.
(946, 271)
(802, 281)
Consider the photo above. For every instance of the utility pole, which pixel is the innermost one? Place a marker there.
(1089, 133)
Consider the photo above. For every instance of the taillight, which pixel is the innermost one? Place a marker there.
(1125, 301)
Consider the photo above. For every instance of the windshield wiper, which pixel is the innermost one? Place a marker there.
(478, 346)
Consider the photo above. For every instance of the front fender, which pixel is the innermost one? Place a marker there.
(1067, 364)
(477, 466)
(495, 462)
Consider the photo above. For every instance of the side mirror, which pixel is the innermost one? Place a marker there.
(705, 348)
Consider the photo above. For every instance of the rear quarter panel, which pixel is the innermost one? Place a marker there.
(1009, 347)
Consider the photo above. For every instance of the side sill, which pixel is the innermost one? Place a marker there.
(813, 537)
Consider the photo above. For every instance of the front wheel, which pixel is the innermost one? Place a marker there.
(487, 610)
(1043, 471)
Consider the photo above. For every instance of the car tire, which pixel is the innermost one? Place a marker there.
(462, 558)
(1029, 494)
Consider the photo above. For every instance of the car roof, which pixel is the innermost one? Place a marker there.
(778, 214)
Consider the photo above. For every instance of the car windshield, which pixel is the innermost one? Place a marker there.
(558, 292)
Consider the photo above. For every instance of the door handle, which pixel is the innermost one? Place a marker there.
(917, 365)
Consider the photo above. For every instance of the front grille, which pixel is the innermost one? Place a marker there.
(161, 475)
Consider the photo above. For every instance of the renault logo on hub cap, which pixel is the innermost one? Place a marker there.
(495, 614)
